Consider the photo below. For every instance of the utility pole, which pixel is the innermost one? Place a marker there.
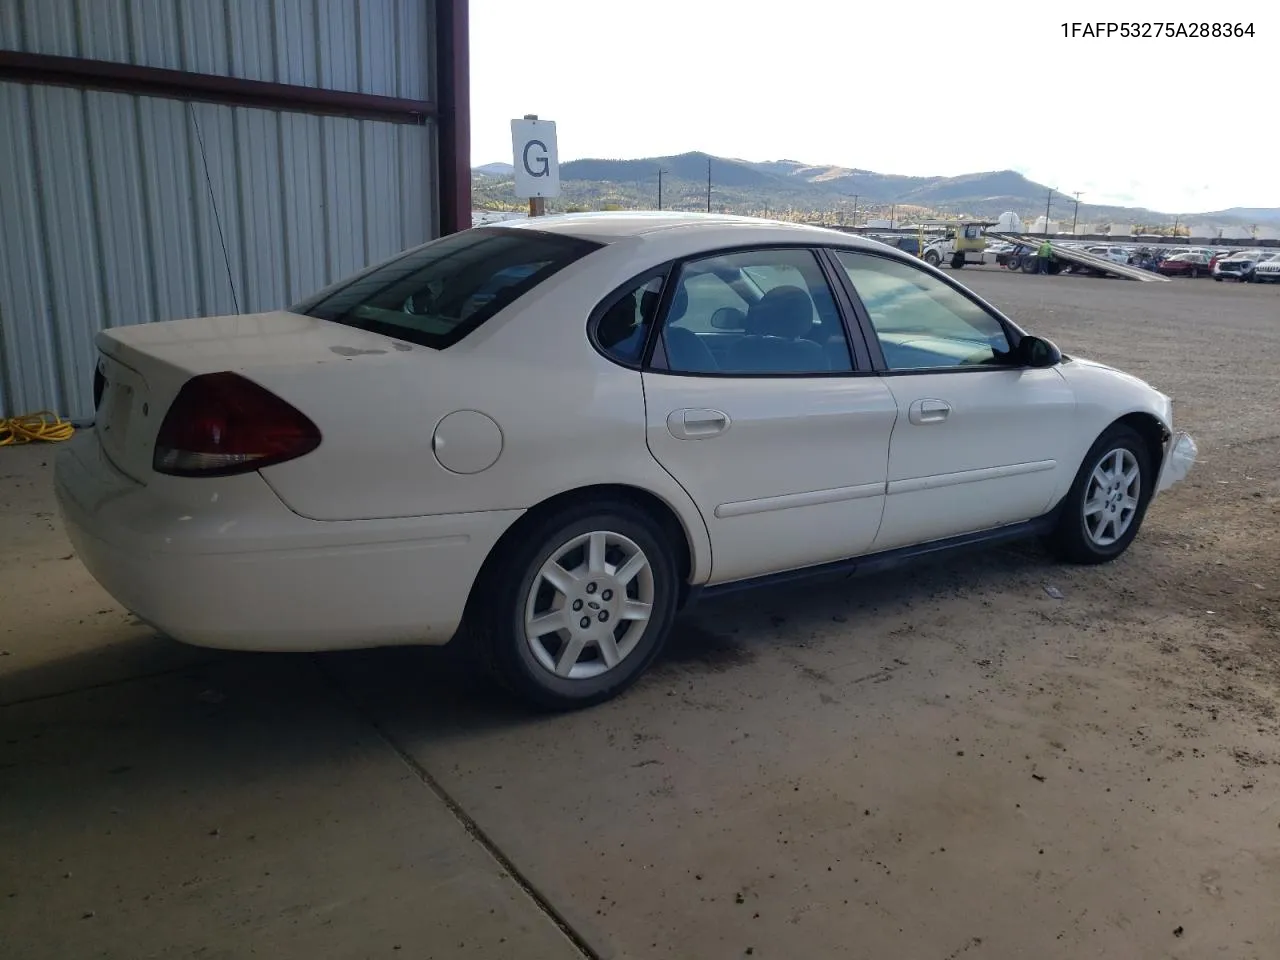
(1075, 216)
(708, 184)
(659, 188)
(855, 210)
(1047, 203)
(537, 205)
(1175, 225)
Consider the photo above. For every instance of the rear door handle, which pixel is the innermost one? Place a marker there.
(694, 424)
(929, 411)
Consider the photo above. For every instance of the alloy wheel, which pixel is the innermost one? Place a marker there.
(589, 604)
(1112, 496)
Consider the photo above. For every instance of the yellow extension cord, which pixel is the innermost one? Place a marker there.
(43, 426)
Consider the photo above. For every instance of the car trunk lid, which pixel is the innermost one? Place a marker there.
(142, 368)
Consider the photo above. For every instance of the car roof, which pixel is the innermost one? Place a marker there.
(714, 227)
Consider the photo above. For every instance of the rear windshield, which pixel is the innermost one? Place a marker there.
(436, 294)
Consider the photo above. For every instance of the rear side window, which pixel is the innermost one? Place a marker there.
(436, 294)
(623, 327)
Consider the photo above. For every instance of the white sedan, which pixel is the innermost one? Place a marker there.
(545, 437)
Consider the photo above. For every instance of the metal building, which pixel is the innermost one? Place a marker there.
(174, 158)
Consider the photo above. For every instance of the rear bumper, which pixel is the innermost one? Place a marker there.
(232, 567)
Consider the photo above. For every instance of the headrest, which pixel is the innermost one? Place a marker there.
(617, 322)
(648, 304)
(785, 312)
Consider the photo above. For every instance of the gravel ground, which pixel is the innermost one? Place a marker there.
(986, 756)
(950, 761)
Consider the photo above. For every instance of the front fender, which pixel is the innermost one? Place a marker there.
(1105, 395)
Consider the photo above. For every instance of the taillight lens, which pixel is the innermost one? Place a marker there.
(222, 424)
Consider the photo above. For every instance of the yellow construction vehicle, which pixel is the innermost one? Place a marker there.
(962, 242)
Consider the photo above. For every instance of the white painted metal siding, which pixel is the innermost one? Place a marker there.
(367, 46)
(108, 204)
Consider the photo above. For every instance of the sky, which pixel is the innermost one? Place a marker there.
(920, 87)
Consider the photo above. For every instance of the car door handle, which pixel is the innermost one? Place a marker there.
(929, 411)
(697, 423)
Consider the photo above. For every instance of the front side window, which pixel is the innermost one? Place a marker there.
(921, 322)
(436, 294)
(756, 312)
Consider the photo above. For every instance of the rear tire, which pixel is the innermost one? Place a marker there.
(572, 612)
(1105, 507)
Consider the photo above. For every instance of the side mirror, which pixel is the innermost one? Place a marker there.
(1038, 352)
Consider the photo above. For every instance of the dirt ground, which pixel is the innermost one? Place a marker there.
(989, 756)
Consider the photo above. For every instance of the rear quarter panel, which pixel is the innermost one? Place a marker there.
(569, 417)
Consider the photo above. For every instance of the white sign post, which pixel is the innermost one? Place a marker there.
(536, 161)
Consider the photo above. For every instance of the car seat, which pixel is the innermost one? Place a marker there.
(776, 327)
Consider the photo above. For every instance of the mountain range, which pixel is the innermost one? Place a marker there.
(779, 186)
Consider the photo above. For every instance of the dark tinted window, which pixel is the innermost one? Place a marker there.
(439, 292)
(624, 325)
(758, 312)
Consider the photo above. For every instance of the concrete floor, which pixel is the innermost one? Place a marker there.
(945, 763)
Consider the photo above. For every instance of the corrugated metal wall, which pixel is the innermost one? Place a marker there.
(109, 215)
(367, 46)
(120, 209)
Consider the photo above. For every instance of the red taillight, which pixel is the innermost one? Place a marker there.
(222, 424)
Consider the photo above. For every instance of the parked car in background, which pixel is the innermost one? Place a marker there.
(1239, 266)
(1185, 265)
(1114, 254)
(1267, 269)
(998, 253)
(544, 437)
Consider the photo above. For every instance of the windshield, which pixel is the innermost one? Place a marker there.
(436, 294)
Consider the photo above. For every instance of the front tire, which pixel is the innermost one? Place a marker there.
(931, 258)
(574, 611)
(1105, 507)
